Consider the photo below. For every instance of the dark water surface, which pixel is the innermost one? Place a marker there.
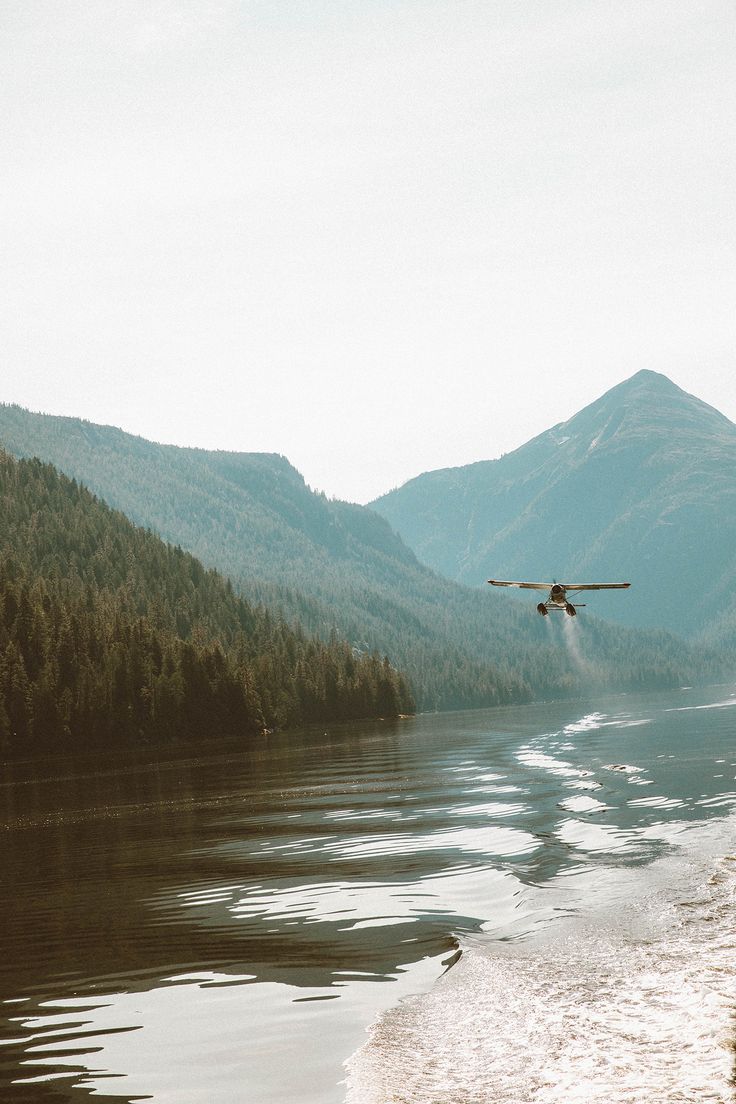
(226, 929)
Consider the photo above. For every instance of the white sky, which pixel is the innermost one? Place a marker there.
(377, 236)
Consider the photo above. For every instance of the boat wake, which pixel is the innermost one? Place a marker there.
(630, 1004)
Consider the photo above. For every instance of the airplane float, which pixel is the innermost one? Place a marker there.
(557, 597)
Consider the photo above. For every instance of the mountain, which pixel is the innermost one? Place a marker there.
(639, 486)
(107, 634)
(337, 568)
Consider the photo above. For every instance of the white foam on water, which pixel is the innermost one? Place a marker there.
(582, 804)
(592, 721)
(533, 757)
(629, 1002)
(586, 724)
(728, 704)
(582, 784)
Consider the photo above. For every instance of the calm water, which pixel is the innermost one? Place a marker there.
(530, 904)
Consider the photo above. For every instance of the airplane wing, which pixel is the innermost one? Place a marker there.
(524, 586)
(595, 586)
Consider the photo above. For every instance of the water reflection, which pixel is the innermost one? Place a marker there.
(203, 925)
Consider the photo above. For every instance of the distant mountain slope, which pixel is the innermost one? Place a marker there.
(109, 635)
(239, 504)
(336, 567)
(639, 486)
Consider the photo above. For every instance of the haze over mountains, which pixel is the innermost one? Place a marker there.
(111, 637)
(338, 567)
(639, 486)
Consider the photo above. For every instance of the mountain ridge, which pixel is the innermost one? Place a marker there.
(627, 486)
(110, 636)
(336, 567)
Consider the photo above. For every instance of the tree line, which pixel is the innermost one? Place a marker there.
(337, 569)
(110, 635)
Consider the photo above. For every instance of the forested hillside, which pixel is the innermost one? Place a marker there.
(109, 634)
(339, 568)
(639, 486)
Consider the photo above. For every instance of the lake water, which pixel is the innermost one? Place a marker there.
(531, 904)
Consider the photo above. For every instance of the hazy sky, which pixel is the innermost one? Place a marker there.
(377, 236)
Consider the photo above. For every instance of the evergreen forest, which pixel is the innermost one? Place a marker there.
(339, 571)
(110, 635)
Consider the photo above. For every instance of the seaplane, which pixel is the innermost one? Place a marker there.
(557, 593)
